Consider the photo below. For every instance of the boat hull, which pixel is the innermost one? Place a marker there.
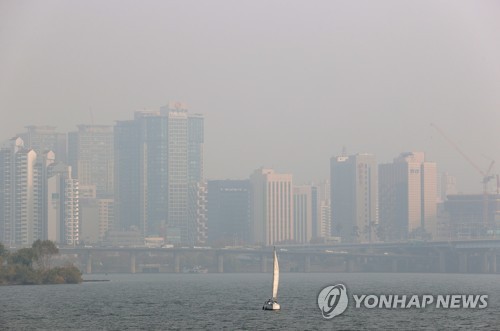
(271, 306)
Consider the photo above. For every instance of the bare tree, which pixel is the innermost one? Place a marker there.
(44, 250)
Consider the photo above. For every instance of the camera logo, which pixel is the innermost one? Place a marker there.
(332, 300)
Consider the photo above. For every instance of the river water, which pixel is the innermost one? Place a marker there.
(234, 302)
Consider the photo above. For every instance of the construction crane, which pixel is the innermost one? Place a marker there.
(498, 184)
(486, 175)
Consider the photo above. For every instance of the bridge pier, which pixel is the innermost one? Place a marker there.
(349, 264)
(132, 262)
(220, 263)
(442, 261)
(177, 262)
(394, 265)
(263, 263)
(484, 262)
(493, 263)
(462, 262)
(88, 265)
(307, 263)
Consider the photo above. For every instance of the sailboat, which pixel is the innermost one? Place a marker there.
(272, 304)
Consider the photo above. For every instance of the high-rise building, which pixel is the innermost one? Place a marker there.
(322, 223)
(155, 157)
(18, 205)
(271, 207)
(43, 162)
(304, 206)
(90, 154)
(141, 170)
(38, 199)
(197, 213)
(44, 138)
(63, 224)
(354, 202)
(23, 193)
(195, 147)
(228, 207)
(177, 174)
(407, 193)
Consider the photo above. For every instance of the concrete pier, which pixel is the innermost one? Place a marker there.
(220, 263)
(442, 261)
(88, 265)
(462, 262)
(493, 263)
(307, 263)
(132, 262)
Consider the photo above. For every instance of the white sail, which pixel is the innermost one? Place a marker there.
(276, 276)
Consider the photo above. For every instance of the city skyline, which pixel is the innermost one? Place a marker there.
(174, 154)
(345, 78)
(160, 153)
(306, 178)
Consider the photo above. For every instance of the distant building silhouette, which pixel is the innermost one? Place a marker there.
(44, 138)
(304, 209)
(228, 212)
(18, 217)
(408, 197)
(465, 216)
(447, 185)
(63, 221)
(156, 161)
(38, 197)
(90, 154)
(96, 216)
(272, 207)
(354, 202)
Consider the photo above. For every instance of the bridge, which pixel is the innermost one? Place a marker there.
(463, 256)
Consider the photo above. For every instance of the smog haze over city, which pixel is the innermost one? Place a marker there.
(163, 156)
(282, 84)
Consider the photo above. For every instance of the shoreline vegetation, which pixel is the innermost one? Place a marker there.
(32, 266)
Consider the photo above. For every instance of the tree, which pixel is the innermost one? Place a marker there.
(3, 253)
(44, 250)
(24, 256)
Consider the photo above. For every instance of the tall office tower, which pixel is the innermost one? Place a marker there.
(407, 192)
(354, 202)
(303, 207)
(228, 207)
(141, 157)
(41, 195)
(45, 138)
(63, 205)
(322, 225)
(18, 203)
(90, 154)
(195, 147)
(177, 175)
(197, 196)
(152, 172)
(271, 207)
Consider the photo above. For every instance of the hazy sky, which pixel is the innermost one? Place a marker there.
(283, 84)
